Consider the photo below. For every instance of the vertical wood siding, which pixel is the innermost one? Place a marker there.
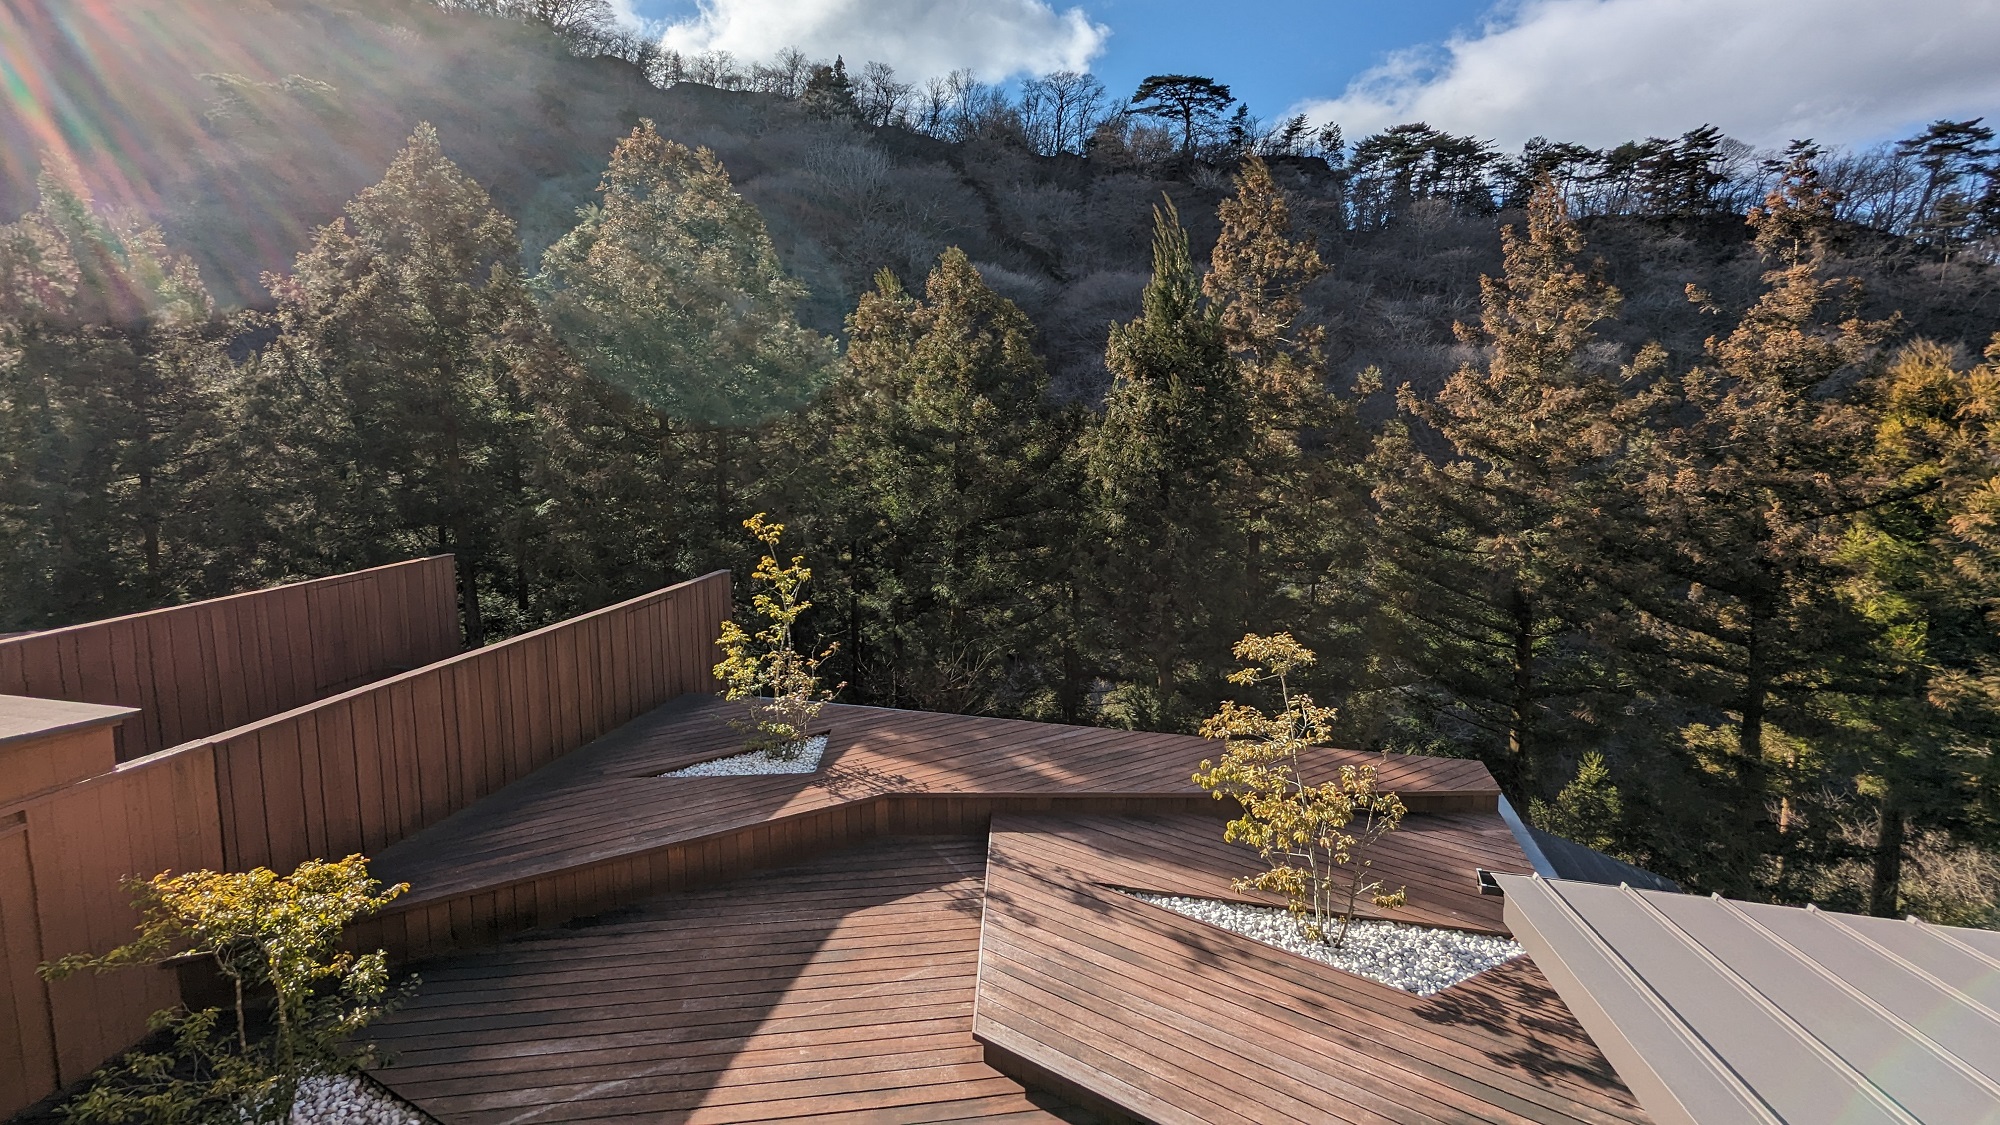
(198, 669)
(350, 773)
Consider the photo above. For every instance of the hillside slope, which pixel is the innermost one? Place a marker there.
(239, 125)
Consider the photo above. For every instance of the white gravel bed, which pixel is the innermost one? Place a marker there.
(1419, 959)
(758, 762)
(347, 1100)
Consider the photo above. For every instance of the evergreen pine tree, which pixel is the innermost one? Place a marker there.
(1166, 467)
(110, 388)
(1302, 494)
(1744, 483)
(1485, 562)
(952, 495)
(671, 291)
(1919, 716)
(397, 389)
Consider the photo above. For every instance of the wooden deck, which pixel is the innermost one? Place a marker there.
(600, 827)
(836, 991)
(1180, 1022)
(930, 928)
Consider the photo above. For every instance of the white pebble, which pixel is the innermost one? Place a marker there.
(344, 1099)
(756, 762)
(1419, 959)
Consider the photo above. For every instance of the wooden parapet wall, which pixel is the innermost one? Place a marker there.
(354, 772)
(198, 669)
(362, 770)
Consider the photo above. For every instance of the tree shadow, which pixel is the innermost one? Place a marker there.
(806, 972)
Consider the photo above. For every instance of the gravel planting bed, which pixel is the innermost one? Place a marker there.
(1419, 959)
(758, 762)
(349, 1100)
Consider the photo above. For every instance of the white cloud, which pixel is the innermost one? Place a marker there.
(920, 38)
(1766, 71)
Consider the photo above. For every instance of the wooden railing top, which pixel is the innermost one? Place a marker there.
(222, 599)
(519, 640)
(23, 717)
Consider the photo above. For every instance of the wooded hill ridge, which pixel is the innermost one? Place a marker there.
(1684, 519)
(239, 126)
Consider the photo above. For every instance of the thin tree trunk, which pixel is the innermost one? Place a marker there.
(719, 441)
(1751, 740)
(1885, 890)
(1522, 704)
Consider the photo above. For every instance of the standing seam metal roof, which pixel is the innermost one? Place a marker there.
(1719, 1011)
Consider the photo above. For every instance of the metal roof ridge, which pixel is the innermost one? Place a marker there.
(1939, 932)
(1979, 1078)
(1530, 847)
(1703, 1051)
(1909, 966)
(1784, 1019)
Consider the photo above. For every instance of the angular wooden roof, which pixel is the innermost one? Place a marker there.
(1182, 1022)
(837, 990)
(809, 947)
(607, 800)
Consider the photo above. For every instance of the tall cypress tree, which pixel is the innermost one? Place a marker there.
(952, 493)
(671, 290)
(1303, 494)
(109, 403)
(1757, 456)
(397, 388)
(1484, 560)
(1166, 467)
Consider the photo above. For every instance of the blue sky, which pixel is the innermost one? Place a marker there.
(1274, 54)
(1593, 71)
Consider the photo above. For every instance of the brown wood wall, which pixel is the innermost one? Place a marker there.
(198, 669)
(351, 773)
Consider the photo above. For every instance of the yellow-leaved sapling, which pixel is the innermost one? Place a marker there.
(1317, 838)
(765, 668)
(299, 1002)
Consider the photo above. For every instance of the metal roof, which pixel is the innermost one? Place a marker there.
(1719, 1011)
(1572, 860)
(1554, 857)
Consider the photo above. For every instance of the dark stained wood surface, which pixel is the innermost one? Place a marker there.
(355, 772)
(608, 801)
(198, 669)
(1179, 1021)
(835, 991)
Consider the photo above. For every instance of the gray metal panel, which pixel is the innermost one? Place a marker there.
(1715, 1011)
(1525, 836)
(1571, 860)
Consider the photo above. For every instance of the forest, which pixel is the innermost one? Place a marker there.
(1663, 479)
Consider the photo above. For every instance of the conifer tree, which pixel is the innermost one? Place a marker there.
(829, 94)
(396, 391)
(1166, 467)
(110, 385)
(1919, 716)
(670, 290)
(1485, 560)
(1302, 492)
(953, 490)
(1744, 485)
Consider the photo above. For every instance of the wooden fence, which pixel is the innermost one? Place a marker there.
(352, 773)
(197, 669)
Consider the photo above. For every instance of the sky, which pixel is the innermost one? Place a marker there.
(1592, 71)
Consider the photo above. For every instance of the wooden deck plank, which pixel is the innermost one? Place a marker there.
(1170, 1001)
(605, 801)
(838, 987)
